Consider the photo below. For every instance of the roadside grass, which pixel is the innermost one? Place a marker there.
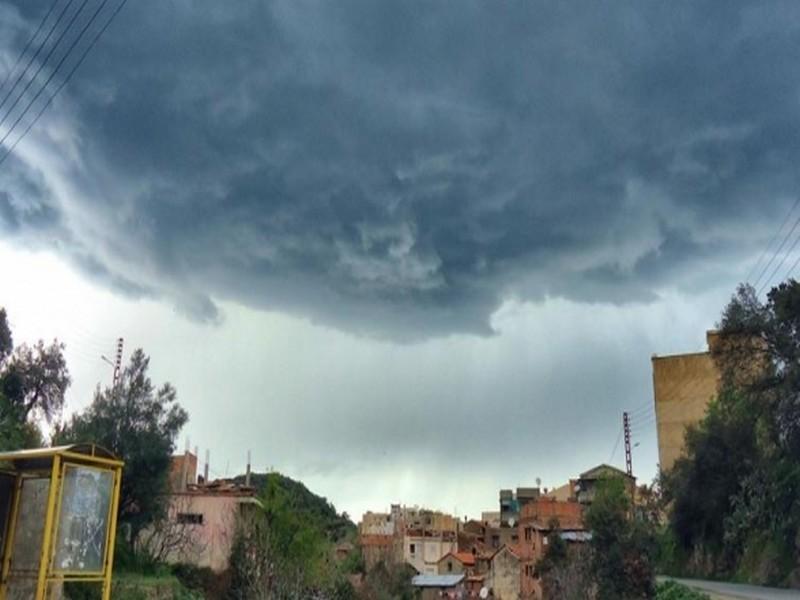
(671, 590)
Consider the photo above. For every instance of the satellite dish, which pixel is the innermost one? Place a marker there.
(484, 593)
(511, 522)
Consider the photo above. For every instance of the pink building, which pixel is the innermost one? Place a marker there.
(201, 519)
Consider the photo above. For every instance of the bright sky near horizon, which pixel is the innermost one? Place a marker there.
(444, 423)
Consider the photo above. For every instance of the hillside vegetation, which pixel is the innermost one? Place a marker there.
(296, 497)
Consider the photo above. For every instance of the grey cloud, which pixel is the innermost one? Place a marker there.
(399, 169)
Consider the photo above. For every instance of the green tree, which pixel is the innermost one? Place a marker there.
(6, 339)
(720, 454)
(563, 572)
(735, 496)
(623, 549)
(139, 423)
(33, 381)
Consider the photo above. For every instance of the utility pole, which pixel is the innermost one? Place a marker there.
(626, 427)
(118, 362)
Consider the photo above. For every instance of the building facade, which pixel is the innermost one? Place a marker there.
(683, 386)
(505, 575)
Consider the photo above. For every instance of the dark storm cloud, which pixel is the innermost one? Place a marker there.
(400, 168)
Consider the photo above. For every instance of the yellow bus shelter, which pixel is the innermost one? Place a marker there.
(58, 519)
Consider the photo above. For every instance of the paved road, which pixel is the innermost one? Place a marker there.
(732, 591)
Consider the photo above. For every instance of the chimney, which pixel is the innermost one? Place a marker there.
(205, 467)
(247, 474)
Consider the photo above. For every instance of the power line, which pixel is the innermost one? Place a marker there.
(28, 45)
(792, 268)
(754, 268)
(38, 50)
(775, 255)
(39, 70)
(780, 264)
(616, 446)
(79, 62)
(641, 413)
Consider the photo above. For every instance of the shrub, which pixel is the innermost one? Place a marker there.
(672, 590)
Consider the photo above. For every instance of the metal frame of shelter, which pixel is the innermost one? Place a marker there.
(52, 465)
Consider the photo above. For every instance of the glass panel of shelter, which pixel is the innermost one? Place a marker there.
(28, 536)
(7, 482)
(83, 519)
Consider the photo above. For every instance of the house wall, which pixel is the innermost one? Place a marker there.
(449, 565)
(683, 386)
(505, 580)
(177, 472)
(377, 549)
(206, 544)
(497, 537)
(427, 552)
(376, 524)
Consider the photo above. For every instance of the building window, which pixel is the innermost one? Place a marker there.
(527, 533)
(190, 518)
(450, 566)
(495, 541)
(412, 548)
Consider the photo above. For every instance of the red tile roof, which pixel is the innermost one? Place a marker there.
(466, 558)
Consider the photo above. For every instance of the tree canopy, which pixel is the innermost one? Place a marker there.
(622, 548)
(140, 424)
(33, 381)
(735, 495)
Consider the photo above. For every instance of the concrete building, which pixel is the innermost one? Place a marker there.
(414, 535)
(457, 563)
(201, 524)
(182, 471)
(585, 486)
(505, 575)
(511, 502)
(423, 550)
(562, 493)
(491, 518)
(377, 524)
(536, 528)
(381, 537)
(202, 517)
(683, 385)
(379, 549)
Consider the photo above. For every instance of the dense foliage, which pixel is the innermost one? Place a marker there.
(284, 549)
(300, 499)
(564, 571)
(619, 561)
(33, 381)
(622, 562)
(735, 496)
(138, 423)
(671, 590)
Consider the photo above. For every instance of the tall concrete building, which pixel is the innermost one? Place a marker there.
(683, 386)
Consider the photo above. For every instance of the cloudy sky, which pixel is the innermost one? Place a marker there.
(404, 251)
